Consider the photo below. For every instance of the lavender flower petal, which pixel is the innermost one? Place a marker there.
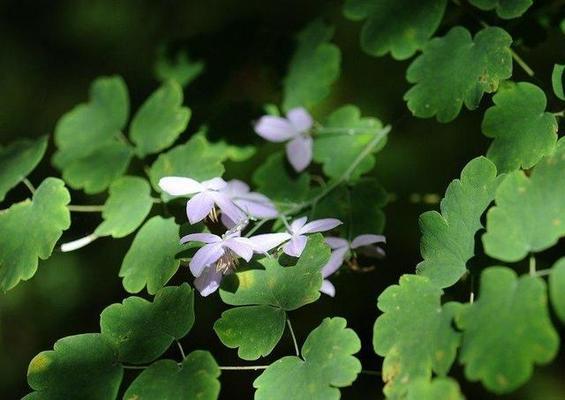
(209, 281)
(240, 246)
(204, 257)
(336, 242)
(320, 225)
(297, 224)
(214, 184)
(258, 206)
(201, 237)
(235, 187)
(364, 240)
(227, 206)
(336, 260)
(295, 246)
(264, 243)
(300, 119)
(199, 207)
(275, 129)
(328, 288)
(299, 152)
(179, 186)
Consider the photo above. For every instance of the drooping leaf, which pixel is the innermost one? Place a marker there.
(557, 81)
(415, 333)
(30, 230)
(272, 284)
(529, 215)
(254, 330)
(275, 180)
(328, 364)
(313, 68)
(127, 207)
(456, 69)
(414, 23)
(17, 160)
(507, 330)
(194, 159)
(506, 9)
(160, 120)
(195, 378)
(79, 367)
(182, 69)
(343, 139)
(91, 152)
(523, 131)
(448, 239)
(142, 330)
(557, 288)
(150, 261)
(435, 389)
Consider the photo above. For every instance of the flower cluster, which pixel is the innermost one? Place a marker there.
(234, 204)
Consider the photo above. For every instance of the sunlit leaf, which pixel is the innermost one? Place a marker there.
(438, 388)
(150, 261)
(448, 239)
(182, 69)
(30, 230)
(313, 68)
(557, 81)
(456, 69)
(506, 9)
(414, 23)
(506, 331)
(91, 151)
(79, 367)
(17, 160)
(143, 330)
(414, 333)
(160, 120)
(529, 215)
(557, 288)
(327, 364)
(127, 207)
(195, 378)
(523, 132)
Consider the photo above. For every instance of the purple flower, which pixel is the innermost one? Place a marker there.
(294, 129)
(252, 204)
(218, 257)
(206, 196)
(340, 249)
(295, 236)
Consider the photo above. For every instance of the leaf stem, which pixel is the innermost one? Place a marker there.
(543, 272)
(522, 63)
(532, 265)
(182, 353)
(85, 208)
(135, 366)
(29, 185)
(243, 367)
(293, 337)
(79, 243)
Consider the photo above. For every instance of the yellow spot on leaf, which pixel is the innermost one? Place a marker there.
(39, 363)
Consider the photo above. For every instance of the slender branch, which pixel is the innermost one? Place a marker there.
(522, 63)
(79, 243)
(543, 272)
(532, 265)
(29, 185)
(293, 337)
(85, 208)
(257, 226)
(182, 353)
(243, 367)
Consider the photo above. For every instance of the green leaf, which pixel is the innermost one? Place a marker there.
(127, 207)
(343, 139)
(522, 131)
(506, 330)
(232, 152)
(142, 330)
(160, 120)
(529, 215)
(414, 24)
(557, 81)
(17, 160)
(79, 367)
(505, 9)
(255, 330)
(195, 378)
(91, 152)
(150, 261)
(455, 69)
(195, 159)
(272, 284)
(448, 239)
(359, 207)
(327, 364)
(182, 69)
(30, 230)
(438, 388)
(557, 288)
(313, 68)
(414, 333)
(277, 182)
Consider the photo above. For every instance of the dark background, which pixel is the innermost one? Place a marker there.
(50, 51)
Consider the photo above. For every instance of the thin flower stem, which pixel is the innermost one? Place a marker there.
(532, 265)
(543, 272)
(182, 353)
(79, 243)
(82, 208)
(135, 366)
(243, 367)
(293, 337)
(257, 226)
(522, 63)
(29, 185)
(560, 113)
